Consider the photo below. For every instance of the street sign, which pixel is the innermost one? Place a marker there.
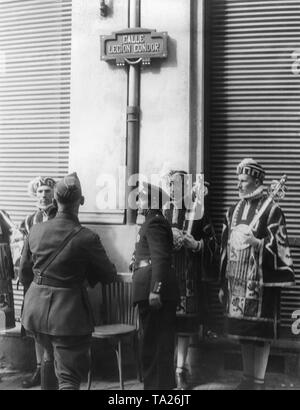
(134, 46)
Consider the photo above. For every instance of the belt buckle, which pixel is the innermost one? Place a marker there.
(38, 280)
(144, 263)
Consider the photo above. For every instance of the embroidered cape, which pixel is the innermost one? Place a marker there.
(192, 268)
(251, 277)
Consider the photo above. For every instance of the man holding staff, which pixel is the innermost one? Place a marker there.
(255, 265)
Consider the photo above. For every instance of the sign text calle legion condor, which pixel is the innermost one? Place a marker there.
(136, 45)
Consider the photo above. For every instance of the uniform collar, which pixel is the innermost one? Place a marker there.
(47, 211)
(153, 212)
(67, 215)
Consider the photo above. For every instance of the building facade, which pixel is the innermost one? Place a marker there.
(228, 89)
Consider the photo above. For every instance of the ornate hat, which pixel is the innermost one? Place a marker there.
(251, 167)
(183, 174)
(68, 189)
(176, 172)
(38, 182)
(156, 196)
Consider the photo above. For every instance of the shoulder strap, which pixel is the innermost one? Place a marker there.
(51, 258)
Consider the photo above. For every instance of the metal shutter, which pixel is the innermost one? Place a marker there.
(254, 107)
(35, 52)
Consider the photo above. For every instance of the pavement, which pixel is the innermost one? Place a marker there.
(11, 380)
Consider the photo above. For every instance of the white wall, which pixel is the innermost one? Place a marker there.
(165, 122)
(99, 98)
(98, 101)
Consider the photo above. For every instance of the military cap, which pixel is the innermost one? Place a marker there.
(68, 189)
(38, 182)
(251, 167)
(156, 196)
(173, 172)
(183, 174)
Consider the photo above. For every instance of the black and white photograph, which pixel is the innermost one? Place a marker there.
(150, 197)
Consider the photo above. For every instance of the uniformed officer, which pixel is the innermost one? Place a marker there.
(42, 189)
(63, 256)
(155, 290)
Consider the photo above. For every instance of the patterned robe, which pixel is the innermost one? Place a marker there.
(252, 278)
(193, 270)
(7, 312)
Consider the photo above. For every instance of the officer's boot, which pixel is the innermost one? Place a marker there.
(48, 377)
(33, 380)
(182, 378)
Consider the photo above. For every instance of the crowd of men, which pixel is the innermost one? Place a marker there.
(176, 255)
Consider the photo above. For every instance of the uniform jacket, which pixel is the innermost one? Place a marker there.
(65, 310)
(36, 217)
(154, 244)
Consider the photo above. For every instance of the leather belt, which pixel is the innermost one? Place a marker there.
(46, 281)
(143, 263)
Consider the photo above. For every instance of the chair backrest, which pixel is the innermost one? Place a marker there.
(117, 306)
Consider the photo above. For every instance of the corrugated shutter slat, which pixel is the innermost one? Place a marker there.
(35, 64)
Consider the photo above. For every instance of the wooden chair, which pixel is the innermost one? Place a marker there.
(120, 322)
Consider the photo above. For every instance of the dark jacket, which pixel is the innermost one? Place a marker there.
(5, 230)
(36, 217)
(6, 273)
(154, 244)
(62, 310)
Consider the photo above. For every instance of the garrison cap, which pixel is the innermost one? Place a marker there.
(68, 189)
(183, 174)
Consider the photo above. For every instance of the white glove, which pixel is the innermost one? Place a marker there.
(190, 242)
(177, 239)
(242, 237)
(155, 301)
(250, 239)
(221, 296)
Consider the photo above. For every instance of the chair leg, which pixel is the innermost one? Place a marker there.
(90, 373)
(89, 384)
(119, 359)
(136, 351)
